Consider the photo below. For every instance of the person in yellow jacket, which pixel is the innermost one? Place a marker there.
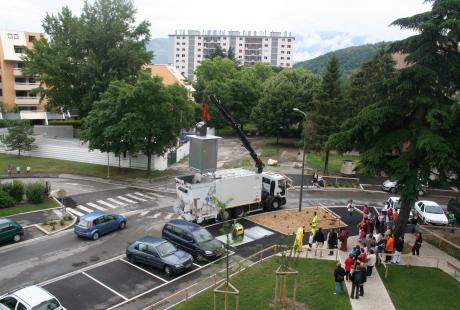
(314, 223)
(298, 242)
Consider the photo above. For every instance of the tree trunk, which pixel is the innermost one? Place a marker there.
(403, 217)
(326, 161)
(19, 152)
(149, 158)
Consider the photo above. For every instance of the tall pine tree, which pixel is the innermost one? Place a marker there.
(412, 128)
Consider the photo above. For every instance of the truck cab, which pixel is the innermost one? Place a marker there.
(274, 189)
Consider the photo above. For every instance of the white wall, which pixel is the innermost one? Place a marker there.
(74, 150)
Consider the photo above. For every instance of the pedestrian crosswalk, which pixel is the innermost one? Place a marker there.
(108, 204)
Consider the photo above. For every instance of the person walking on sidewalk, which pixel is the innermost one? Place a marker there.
(319, 241)
(363, 279)
(399, 245)
(343, 237)
(356, 280)
(389, 247)
(314, 223)
(339, 275)
(332, 240)
(417, 244)
(371, 260)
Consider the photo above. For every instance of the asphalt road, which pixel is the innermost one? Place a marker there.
(95, 272)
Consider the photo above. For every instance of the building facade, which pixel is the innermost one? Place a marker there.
(15, 87)
(188, 48)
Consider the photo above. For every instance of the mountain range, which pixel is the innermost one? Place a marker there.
(159, 46)
(350, 59)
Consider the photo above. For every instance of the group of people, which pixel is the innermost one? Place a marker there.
(18, 170)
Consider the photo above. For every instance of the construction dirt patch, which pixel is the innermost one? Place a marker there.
(288, 221)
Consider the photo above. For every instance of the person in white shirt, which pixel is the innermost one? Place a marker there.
(371, 259)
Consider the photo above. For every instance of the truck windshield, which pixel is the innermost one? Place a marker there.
(282, 184)
(202, 235)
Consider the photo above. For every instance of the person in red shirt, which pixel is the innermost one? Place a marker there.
(395, 216)
(349, 262)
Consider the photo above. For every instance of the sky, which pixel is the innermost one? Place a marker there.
(319, 26)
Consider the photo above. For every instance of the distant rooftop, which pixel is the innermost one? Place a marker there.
(244, 33)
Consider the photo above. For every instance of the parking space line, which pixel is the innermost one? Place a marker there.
(196, 265)
(117, 202)
(169, 216)
(96, 206)
(135, 197)
(144, 195)
(102, 284)
(156, 195)
(75, 212)
(152, 274)
(157, 215)
(174, 280)
(107, 204)
(126, 199)
(84, 208)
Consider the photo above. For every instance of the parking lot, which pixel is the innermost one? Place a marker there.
(114, 282)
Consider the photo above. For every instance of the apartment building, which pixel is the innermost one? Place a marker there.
(188, 48)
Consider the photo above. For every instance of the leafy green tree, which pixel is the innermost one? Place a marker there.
(218, 52)
(291, 88)
(328, 111)
(81, 55)
(360, 89)
(142, 117)
(18, 138)
(412, 128)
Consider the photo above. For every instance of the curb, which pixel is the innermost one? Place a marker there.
(48, 233)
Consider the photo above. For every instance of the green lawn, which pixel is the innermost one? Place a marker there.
(420, 288)
(47, 204)
(257, 286)
(49, 165)
(316, 161)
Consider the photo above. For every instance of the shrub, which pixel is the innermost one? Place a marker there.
(76, 123)
(67, 217)
(12, 122)
(15, 189)
(36, 191)
(6, 201)
(62, 222)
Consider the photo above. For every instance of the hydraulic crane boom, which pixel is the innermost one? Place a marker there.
(259, 164)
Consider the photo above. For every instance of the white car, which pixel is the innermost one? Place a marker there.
(30, 298)
(430, 212)
(392, 187)
(393, 203)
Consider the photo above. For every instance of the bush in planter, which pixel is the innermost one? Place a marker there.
(6, 201)
(35, 192)
(15, 189)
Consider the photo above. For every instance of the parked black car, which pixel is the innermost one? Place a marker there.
(454, 206)
(194, 239)
(160, 254)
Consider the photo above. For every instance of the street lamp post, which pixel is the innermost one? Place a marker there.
(303, 158)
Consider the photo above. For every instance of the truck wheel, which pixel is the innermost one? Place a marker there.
(223, 216)
(275, 204)
(239, 212)
(269, 203)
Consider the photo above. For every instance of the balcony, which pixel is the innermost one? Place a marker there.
(17, 72)
(29, 101)
(25, 86)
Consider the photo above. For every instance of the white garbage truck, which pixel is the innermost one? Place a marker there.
(241, 190)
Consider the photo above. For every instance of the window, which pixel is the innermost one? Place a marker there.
(288, 52)
(199, 50)
(198, 56)
(199, 44)
(32, 38)
(183, 37)
(199, 61)
(183, 67)
(19, 80)
(177, 55)
(240, 56)
(282, 58)
(282, 52)
(178, 43)
(225, 38)
(288, 58)
(282, 64)
(241, 44)
(177, 60)
(266, 39)
(289, 40)
(183, 55)
(288, 46)
(21, 307)
(241, 39)
(282, 45)
(178, 38)
(19, 65)
(183, 73)
(9, 302)
(282, 40)
(177, 67)
(10, 36)
(177, 49)
(18, 49)
(183, 60)
(265, 57)
(266, 45)
(224, 43)
(199, 38)
(166, 249)
(240, 51)
(183, 43)
(183, 49)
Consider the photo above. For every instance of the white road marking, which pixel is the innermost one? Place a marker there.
(144, 213)
(157, 215)
(84, 208)
(152, 274)
(135, 197)
(102, 284)
(117, 202)
(107, 204)
(75, 212)
(126, 199)
(169, 216)
(144, 195)
(156, 195)
(96, 206)
(196, 265)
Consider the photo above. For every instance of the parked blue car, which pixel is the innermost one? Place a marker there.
(95, 224)
(160, 254)
(194, 239)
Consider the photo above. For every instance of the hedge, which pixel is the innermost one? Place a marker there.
(14, 189)
(13, 122)
(36, 191)
(5, 200)
(76, 123)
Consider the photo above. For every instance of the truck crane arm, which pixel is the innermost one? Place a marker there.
(258, 162)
